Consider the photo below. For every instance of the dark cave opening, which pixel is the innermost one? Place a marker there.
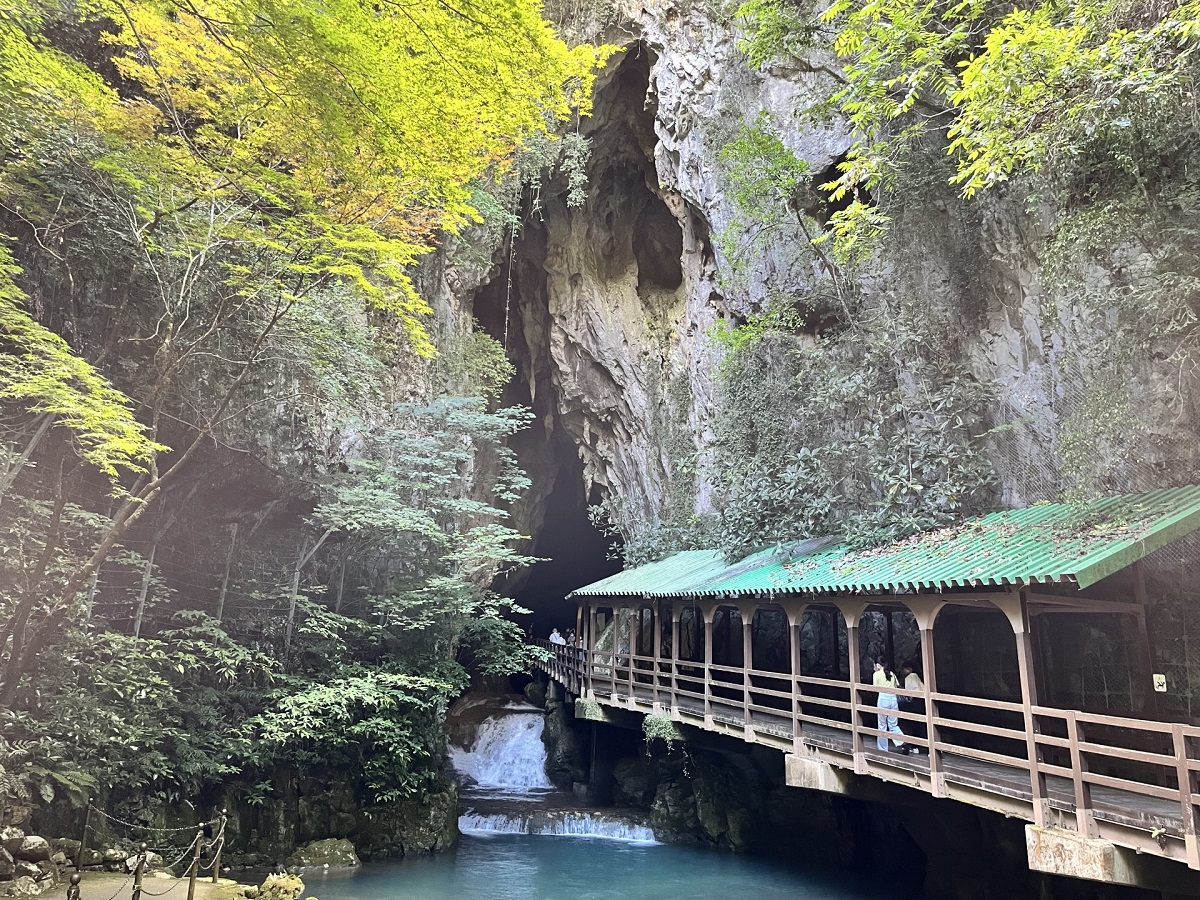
(555, 512)
(628, 227)
(822, 206)
(575, 551)
(658, 247)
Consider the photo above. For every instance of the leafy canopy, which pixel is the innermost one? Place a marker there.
(38, 370)
(1000, 88)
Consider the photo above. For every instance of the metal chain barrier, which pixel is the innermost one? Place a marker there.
(195, 847)
(113, 818)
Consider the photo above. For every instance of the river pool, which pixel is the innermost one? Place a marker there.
(535, 867)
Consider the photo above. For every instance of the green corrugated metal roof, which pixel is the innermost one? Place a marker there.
(675, 573)
(1080, 543)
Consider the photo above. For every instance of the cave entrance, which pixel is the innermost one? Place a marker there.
(574, 550)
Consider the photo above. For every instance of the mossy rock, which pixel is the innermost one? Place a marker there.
(281, 887)
(330, 853)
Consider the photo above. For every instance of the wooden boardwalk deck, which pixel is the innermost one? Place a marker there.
(1110, 778)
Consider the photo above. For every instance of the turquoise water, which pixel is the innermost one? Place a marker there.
(525, 867)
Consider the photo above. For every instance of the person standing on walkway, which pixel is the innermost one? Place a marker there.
(556, 638)
(913, 682)
(884, 677)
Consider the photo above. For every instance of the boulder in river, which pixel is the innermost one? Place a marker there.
(331, 853)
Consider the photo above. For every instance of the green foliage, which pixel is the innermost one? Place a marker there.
(765, 181)
(662, 728)
(1048, 88)
(39, 371)
(779, 30)
(385, 724)
(870, 434)
(476, 363)
(491, 645)
(221, 203)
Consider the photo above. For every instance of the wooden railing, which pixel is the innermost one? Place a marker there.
(1130, 780)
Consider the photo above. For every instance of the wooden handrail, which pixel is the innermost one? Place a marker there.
(1076, 742)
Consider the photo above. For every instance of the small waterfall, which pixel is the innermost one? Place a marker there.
(506, 790)
(508, 752)
(556, 822)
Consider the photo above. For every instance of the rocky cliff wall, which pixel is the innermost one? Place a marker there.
(610, 310)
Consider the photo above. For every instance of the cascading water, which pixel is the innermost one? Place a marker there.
(506, 791)
(508, 752)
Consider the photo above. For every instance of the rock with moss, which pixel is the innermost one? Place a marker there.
(407, 827)
(23, 886)
(632, 786)
(281, 887)
(564, 750)
(330, 853)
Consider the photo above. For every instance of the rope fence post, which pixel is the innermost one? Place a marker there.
(218, 844)
(87, 821)
(137, 872)
(194, 868)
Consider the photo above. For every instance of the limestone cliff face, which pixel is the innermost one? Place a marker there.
(607, 309)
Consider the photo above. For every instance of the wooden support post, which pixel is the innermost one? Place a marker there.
(635, 643)
(747, 665)
(795, 621)
(1187, 799)
(590, 657)
(656, 631)
(676, 627)
(925, 610)
(87, 822)
(856, 739)
(1016, 610)
(138, 869)
(219, 843)
(194, 868)
(852, 612)
(615, 631)
(576, 674)
(1085, 819)
(709, 612)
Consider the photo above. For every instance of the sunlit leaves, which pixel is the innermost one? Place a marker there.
(39, 371)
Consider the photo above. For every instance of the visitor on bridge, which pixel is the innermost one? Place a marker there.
(884, 677)
(913, 682)
(556, 638)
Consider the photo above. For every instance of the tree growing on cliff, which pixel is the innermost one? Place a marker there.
(1043, 88)
(239, 161)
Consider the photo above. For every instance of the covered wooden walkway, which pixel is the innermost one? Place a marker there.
(647, 645)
